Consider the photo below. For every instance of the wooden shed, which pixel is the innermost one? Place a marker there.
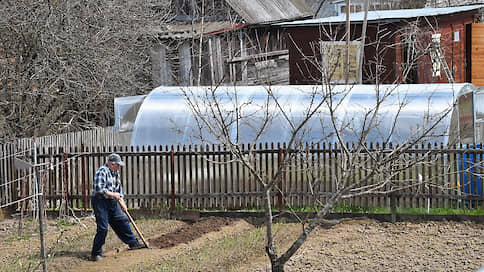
(429, 45)
(243, 47)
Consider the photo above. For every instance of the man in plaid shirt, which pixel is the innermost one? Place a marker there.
(107, 192)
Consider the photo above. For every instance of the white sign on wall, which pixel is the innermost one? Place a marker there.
(333, 56)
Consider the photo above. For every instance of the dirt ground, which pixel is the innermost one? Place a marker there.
(352, 245)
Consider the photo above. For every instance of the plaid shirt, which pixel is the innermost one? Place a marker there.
(105, 180)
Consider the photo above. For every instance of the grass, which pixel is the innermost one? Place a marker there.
(64, 223)
(383, 210)
(229, 253)
(224, 254)
(372, 210)
(20, 238)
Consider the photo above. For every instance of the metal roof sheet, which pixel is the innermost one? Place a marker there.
(188, 31)
(380, 15)
(259, 11)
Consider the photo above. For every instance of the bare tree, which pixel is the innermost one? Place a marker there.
(223, 114)
(218, 112)
(62, 62)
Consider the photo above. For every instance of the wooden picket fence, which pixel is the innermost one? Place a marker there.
(208, 177)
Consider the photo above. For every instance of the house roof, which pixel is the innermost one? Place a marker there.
(188, 31)
(260, 11)
(384, 15)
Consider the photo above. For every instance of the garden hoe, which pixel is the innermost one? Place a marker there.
(137, 230)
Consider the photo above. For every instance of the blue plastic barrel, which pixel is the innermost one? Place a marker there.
(471, 170)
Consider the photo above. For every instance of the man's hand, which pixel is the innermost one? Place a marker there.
(122, 205)
(114, 195)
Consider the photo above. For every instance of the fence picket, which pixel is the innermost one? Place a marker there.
(209, 177)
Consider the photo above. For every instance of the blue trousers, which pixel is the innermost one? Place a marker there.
(107, 212)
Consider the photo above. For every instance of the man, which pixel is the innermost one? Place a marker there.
(106, 194)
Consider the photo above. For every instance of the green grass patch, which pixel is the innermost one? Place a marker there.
(20, 238)
(361, 209)
(384, 210)
(442, 211)
(63, 223)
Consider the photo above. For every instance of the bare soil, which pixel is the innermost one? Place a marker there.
(352, 245)
(188, 233)
(367, 245)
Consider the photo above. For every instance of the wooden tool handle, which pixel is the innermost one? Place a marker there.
(136, 228)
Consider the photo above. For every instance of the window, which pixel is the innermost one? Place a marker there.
(357, 7)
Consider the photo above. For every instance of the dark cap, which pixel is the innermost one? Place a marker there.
(115, 158)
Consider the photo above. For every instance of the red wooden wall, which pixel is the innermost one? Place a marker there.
(455, 39)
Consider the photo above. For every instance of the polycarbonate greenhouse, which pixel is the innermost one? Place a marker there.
(163, 117)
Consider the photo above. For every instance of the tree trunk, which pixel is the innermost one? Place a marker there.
(277, 266)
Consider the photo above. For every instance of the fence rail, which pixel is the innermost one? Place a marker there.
(208, 177)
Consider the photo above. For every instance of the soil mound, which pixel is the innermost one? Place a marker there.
(188, 233)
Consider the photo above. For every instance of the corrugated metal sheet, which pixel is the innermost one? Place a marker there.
(451, 3)
(380, 15)
(188, 31)
(260, 11)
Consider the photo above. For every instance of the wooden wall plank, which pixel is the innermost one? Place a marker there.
(478, 54)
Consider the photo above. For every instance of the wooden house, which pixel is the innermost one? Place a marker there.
(226, 42)
(428, 45)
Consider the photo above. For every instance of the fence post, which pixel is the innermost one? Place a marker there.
(393, 195)
(279, 194)
(65, 196)
(83, 171)
(40, 203)
(393, 207)
(172, 163)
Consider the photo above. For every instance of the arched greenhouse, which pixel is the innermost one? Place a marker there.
(163, 117)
